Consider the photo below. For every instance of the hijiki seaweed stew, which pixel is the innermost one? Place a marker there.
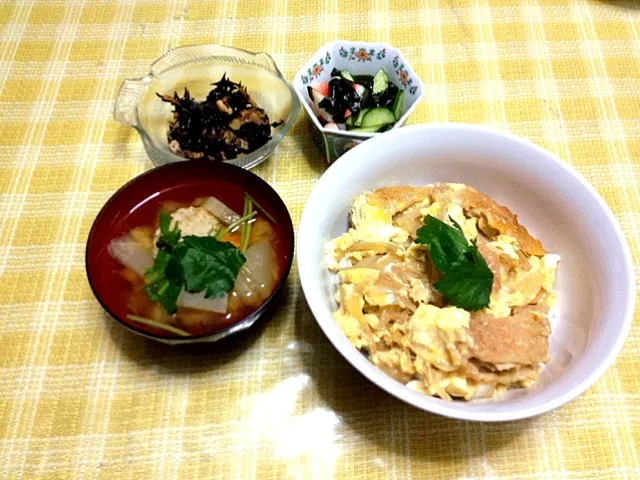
(225, 125)
(195, 267)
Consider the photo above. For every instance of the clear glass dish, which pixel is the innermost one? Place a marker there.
(197, 67)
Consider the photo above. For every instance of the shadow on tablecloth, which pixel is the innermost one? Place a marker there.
(302, 135)
(192, 358)
(127, 140)
(631, 4)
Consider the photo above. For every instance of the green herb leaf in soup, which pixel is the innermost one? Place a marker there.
(210, 265)
(168, 238)
(162, 282)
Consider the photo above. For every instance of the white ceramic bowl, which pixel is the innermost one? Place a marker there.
(595, 279)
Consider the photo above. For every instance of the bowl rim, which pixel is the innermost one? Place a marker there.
(229, 329)
(425, 402)
(351, 133)
(257, 156)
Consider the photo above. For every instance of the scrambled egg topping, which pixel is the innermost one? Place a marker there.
(371, 224)
(388, 308)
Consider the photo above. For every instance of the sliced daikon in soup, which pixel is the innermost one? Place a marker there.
(256, 279)
(200, 302)
(131, 254)
(219, 210)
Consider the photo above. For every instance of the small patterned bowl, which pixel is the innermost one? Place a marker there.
(358, 58)
(197, 67)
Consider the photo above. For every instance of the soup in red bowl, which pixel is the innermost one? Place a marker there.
(190, 252)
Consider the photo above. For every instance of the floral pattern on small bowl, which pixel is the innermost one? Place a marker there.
(403, 75)
(358, 58)
(362, 54)
(316, 69)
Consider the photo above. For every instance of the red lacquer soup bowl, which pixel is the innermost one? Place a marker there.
(137, 206)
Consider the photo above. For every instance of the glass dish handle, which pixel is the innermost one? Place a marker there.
(126, 106)
(265, 60)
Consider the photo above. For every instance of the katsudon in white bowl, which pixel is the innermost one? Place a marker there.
(466, 271)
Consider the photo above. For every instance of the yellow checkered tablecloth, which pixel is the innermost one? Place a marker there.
(81, 398)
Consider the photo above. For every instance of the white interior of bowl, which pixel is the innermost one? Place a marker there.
(264, 86)
(595, 280)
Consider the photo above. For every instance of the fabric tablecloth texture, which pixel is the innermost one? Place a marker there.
(82, 398)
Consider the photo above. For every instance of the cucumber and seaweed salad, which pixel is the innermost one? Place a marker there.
(358, 103)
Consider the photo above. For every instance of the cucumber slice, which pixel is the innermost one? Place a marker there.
(347, 76)
(357, 122)
(397, 105)
(380, 81)
(378, 116)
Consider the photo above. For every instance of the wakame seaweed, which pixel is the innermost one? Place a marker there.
(228, 123)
